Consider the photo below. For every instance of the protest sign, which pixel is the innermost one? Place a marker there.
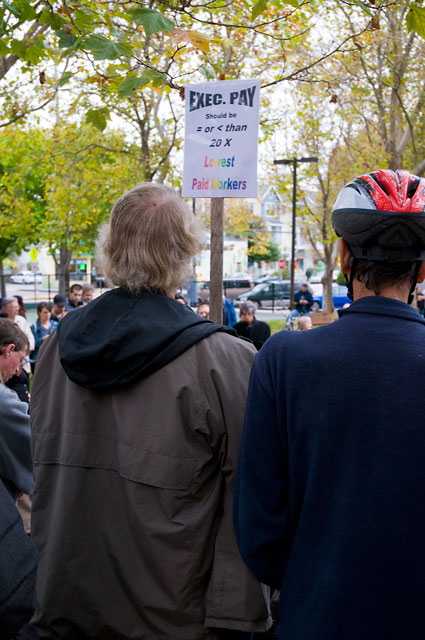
(221, 139)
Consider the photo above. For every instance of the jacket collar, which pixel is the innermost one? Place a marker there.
(378, 305)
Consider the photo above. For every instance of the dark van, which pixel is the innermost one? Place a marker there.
(263, 294)
(233, 287)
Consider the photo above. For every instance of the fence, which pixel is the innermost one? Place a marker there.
(44, 286)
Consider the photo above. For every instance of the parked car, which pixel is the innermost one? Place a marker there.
(266, 278)
(339, 296)
(232, 288)
(263, 294)
(26, 277)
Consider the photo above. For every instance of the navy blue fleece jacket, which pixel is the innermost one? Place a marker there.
(329, 498)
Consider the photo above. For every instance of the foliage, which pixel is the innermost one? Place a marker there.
(22, 202)
(84, 175)
(340, 279)
(58, 187)
(126, 47)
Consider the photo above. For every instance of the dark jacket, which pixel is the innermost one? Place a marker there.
(258, 333)
(18, 563)
(15, 450)
(136, 434)
(329, 501)
(303, 295)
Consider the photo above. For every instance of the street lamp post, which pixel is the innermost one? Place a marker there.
(294, 162)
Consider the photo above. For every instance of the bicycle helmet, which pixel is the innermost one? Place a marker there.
(381, 215)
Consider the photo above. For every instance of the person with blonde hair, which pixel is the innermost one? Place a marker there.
(304, 323)
(136, 434)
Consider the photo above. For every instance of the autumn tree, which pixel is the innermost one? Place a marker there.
(22, 202)
(84, 174)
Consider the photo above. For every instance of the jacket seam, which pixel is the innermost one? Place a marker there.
(123, 442)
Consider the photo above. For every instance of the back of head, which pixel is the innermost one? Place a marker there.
(381, 216)
(150, 239)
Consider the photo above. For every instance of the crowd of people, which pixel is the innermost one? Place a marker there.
(180, 470)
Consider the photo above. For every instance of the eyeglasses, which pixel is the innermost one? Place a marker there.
(23, 361)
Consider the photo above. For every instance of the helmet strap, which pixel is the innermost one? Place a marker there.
(349, 281)
(414, 283)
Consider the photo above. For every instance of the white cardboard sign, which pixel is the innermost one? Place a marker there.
(221, 139)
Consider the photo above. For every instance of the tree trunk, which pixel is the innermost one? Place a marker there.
(2, 282)
(62, 266)
(328, 304)
(329, 251)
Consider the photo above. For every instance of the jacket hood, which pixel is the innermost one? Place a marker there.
(122, 337)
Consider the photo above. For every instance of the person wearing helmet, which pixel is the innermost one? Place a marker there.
(329, 493)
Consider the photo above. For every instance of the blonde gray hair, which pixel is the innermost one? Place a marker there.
(149, 240)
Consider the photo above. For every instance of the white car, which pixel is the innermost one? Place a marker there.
(26, 277)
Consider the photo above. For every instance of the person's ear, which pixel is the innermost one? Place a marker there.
(421, 272)
(344, 254)
(9, 349)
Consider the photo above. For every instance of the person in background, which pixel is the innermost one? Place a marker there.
(41, 329)
(87, 293)
(204, 310)
(304, 323)
(131, 400)
(179, 298)
(15, 452)
(229, 313)
(22, 311)
(18, 557)
(303, 301)
(73, 301)
(59, 307)
(249, 327)
(20, 381)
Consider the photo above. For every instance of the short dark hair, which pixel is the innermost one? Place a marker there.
(75, 287)
(43, 305)
(10, 333)
(376, 274)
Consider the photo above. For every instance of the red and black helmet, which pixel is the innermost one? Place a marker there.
(382, 216)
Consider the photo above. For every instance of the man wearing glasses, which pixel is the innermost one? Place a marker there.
(15, 452)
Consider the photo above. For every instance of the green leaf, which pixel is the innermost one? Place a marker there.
(156, 78)
(152, 21)
(82, 20)
(97, 117)
(66, 40)
(11, 8)
(259, 7)
(104, 49)
(19, 48)
(207, 73)
(416, 19)
(65, 78)
(54, 20)
(130, 84)
(26, 10)
(361, 4)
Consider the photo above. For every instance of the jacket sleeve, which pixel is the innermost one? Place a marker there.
(235, 599)
(24, 326)
(260, 504)
(18, 564)
(15, 448)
